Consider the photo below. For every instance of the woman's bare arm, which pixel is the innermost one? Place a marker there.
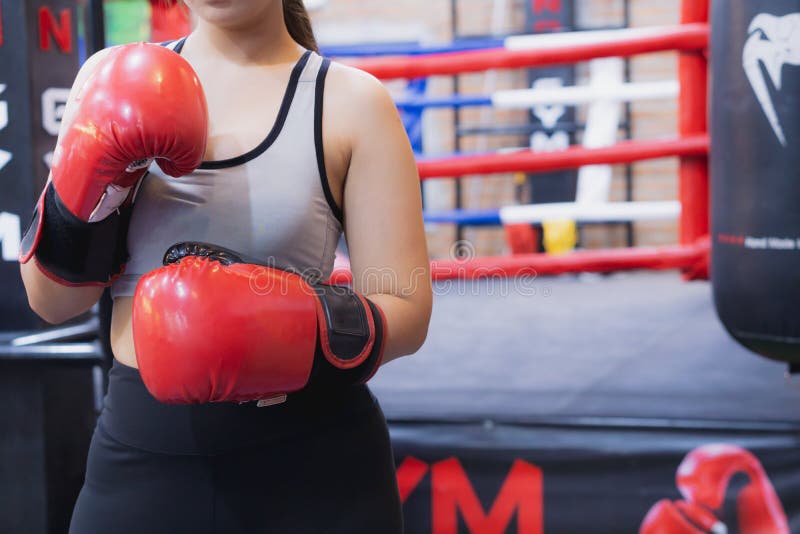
(383, 210)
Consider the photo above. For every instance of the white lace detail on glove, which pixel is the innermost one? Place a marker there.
(111, 200)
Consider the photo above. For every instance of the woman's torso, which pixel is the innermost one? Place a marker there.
(262, 190)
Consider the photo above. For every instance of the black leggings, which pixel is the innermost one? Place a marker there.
(319, 463)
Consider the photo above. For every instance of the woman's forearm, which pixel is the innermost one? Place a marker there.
(53, 302)
(407, 323)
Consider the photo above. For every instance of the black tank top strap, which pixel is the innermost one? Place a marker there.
(175, 44)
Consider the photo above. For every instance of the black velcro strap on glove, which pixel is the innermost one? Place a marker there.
(351, 337)
(73, 251)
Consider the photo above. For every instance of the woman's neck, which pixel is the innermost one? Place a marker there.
(264, 42)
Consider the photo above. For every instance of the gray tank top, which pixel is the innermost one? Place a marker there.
(272, 203)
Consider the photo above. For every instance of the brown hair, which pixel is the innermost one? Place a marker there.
(297, 22)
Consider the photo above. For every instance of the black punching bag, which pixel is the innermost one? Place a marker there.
(755, 173)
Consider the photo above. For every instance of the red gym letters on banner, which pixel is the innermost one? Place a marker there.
(453, 496)
(60, 31)
(715, 484)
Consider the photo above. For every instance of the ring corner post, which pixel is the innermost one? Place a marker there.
(693, 121)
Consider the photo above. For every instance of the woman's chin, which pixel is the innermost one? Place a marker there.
(230, 14)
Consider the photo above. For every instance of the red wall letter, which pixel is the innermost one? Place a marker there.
(521, 491)
(409, 474)
(61, 31)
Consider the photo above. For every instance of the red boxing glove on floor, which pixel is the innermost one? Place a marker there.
(142, 102)
(703, 479)
(211, 327)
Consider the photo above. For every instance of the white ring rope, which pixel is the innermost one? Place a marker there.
(558, 40)
(591, 212)
(586, 94)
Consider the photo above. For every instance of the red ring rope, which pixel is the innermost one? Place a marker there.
(684, 257)
(573, 157)
(680, 37)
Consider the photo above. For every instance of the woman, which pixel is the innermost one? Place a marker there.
(320, 461)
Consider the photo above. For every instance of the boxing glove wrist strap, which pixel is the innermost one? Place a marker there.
(74, 252)
(352, 332)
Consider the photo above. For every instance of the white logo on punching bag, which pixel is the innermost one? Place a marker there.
(773, 43)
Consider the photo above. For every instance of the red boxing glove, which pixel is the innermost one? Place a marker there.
(703, 478)
(680, 517)
(142, 102)
(704, 475)
(210, 327)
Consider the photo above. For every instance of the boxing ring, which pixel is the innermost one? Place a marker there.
(603, 384)
(690, 39)
(628, 350)
(692, 146)
(539, 401)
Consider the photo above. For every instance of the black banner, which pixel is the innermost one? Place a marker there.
(38, 61)
(497, 479)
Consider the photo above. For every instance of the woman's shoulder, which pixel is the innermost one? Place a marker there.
(356, 94)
